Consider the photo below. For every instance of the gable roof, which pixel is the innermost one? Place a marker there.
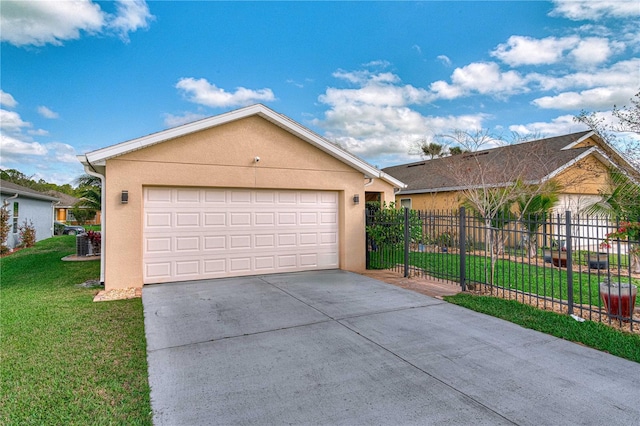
(99, 157)
(10, 188)
(548, 157)
(65, 200)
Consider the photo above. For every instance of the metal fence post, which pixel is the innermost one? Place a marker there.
(463, 249)
(569, 261)
(406, 242)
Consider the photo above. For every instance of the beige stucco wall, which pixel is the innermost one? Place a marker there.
(587, 177)
(224, 156)
(432, 201)
(386, 191)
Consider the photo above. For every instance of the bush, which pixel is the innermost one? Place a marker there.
(27, 234)
(82, 215)
(386, 226)
(58, 228)
(4, 228)
(95, 239)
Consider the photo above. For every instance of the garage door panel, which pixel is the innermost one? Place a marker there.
(215, 242)
(215, 219)
(188, 196)
(187, 268)
(210, 232)
(267, 241)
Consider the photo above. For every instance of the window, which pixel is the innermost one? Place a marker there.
(405, 202)
(15, 217)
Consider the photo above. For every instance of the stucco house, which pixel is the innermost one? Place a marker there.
(579, 162)
(247, 192)
(63, 209)
(22, 204)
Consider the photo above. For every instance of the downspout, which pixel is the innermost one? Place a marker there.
(368, 183)
(103, 217)
(6, 203)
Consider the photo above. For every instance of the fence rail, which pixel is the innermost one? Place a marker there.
(556, 261)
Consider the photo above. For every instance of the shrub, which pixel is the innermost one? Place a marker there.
(82, 215)
(58, 228)
(4, 229)
(27, 234)
(386, 226)
(95, 239)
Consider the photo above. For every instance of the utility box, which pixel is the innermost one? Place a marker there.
(82, 245)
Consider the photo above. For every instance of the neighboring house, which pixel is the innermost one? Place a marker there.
(24, 203)
(579, 162)
(247, 192)
(63, 209)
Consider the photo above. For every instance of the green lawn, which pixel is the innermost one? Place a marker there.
(528, 278)
(64, 359)
(592, 334)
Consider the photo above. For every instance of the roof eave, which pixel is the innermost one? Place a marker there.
(100, 156)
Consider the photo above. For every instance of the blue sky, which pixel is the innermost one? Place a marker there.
(372, 76)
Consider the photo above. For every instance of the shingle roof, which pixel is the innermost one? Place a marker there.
(13, 188)
(65, 200)
(529, 161)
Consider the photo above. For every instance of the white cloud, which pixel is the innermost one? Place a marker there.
(295, 83)
(620, 74)
(600, 97)
(171, 120)
(202, 92)
(484, 78)
(39, 132)
(11, 121)
(523, 50)
(595, 50)
(444, 59)
(375, 120)
(53, 22)
(560, 125)
(131, 15)
(61, 152)
(7, 100)
(592, 10)
(380, 89)
(12, 146)
(47, 113)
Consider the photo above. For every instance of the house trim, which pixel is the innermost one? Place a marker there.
(100, 156)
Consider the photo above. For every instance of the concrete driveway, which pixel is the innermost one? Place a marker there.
(334, 347)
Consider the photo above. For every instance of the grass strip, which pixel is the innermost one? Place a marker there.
(65, 359)
(588, 333)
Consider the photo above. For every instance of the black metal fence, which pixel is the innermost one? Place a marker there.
(562, 262)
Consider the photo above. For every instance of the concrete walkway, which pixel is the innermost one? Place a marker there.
(333, 347)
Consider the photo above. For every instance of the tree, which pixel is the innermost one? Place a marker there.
(628, 121)
(82, 214)
(456, 150)
(90, 192)
(432, 149)
(620, 202)
(621, 199)
(534, 209)
(492, 181)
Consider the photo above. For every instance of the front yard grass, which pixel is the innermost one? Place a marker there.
(541, 279)
(592, 334)
(65, 359)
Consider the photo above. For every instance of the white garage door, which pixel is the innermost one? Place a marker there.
(192, 234)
